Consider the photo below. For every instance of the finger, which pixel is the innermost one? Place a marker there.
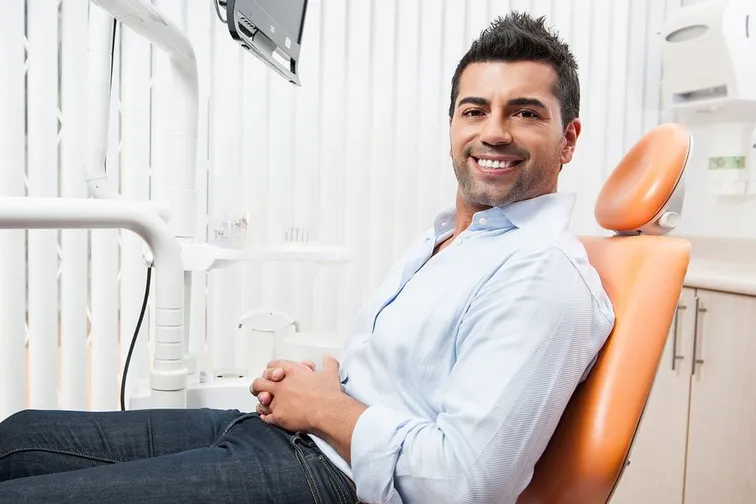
(274, 374)
(331, 365)
(286, 365)
(309, 364)
(263, 410)
(264, 398)
(262, 385)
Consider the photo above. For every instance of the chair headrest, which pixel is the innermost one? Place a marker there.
(645, 192)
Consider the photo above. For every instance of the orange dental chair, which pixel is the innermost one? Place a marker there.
(643, 274)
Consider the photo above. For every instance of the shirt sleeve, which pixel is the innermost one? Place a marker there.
(523, 345)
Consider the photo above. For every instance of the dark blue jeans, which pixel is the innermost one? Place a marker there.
(162, 457)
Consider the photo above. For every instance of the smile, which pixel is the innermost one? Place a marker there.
(497, 166)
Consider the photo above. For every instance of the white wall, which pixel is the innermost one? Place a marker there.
(707, 213)
(357, 155)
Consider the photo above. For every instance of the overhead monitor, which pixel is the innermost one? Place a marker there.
(270, 29)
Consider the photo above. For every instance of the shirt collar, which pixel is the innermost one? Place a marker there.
(552, 211)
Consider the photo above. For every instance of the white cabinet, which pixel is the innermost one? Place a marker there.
(696, 443)
(722, 423)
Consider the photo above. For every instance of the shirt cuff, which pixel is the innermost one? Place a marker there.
(376, 442)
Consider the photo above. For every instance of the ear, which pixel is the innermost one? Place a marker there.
(571, 135)
(451, 151)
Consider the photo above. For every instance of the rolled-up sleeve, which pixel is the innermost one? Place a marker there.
(526, 338)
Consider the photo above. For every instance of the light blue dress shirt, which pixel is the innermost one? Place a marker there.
(467, 359)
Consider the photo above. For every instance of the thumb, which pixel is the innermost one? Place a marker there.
(331, 365)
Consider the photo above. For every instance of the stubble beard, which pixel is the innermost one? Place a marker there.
(531, 181)
(491, 195)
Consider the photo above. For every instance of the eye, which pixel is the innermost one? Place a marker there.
(472, 112)
(528, 114)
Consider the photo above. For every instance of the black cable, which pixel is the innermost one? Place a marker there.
(134, 338)
(110, 84)
(218, 4)
(149, 270)
(112, 53)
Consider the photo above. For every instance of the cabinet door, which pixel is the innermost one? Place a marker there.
(656, 473)
(722, 431)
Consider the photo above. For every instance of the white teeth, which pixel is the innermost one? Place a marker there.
(487, 163)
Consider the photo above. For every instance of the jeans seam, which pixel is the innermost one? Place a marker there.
(59, 452)
(335, 480)
(230, 424)
(150, 439)
(309, 478)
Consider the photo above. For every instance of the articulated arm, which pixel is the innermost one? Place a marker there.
(169, 374)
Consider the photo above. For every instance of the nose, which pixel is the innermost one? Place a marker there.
(495, 131)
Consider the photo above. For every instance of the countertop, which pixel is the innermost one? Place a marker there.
(738, 278)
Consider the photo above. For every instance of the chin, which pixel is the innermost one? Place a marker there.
(487, 199)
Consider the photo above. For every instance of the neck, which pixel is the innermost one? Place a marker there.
(465, 212)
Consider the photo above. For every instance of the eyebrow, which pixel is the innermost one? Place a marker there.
(514, 102)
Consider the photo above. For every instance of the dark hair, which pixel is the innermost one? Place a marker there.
(519, 37)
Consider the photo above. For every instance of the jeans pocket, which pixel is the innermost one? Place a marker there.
(327, 484)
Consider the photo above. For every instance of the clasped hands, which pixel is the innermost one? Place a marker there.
(290, 393)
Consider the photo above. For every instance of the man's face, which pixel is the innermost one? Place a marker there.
(507, 138)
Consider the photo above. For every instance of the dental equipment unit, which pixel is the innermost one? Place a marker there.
(272, 31)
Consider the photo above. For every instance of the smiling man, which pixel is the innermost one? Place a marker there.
(462, 363)
(458, 367)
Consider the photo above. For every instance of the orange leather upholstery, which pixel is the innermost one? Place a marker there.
(643, 276)
(643, 180)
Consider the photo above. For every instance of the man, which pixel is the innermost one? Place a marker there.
(458, 369)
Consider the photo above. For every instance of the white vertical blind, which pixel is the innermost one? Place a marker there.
(13, 369)
(357, 143)
(135, 184)
(255, 158)
(199, 16)
(359, 155)
(226, 138)
(104, 301)
(73, 260)
(315, 293)
(42, 172)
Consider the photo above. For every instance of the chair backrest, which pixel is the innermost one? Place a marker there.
(643, 276)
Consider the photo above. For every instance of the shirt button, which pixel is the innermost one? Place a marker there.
(482, 221)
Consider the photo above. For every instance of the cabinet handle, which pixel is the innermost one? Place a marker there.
(675, 333)
(699, 309)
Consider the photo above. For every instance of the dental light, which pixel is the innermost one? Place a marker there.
(269, 29)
